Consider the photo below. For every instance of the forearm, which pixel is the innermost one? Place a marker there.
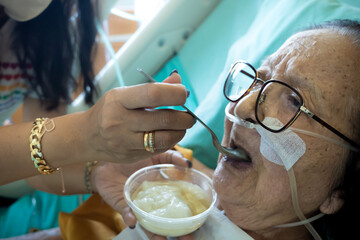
(73, 177)
(62, 146)
(111, 130)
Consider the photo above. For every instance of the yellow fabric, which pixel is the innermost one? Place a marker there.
(94, 219)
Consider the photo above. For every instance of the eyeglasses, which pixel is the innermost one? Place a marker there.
(275, 99)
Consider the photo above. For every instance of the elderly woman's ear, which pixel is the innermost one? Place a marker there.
(333, 203)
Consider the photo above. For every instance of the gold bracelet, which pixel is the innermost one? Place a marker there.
(87, 176)
(40, 126)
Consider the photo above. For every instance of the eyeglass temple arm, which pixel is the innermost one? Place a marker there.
(322, 122)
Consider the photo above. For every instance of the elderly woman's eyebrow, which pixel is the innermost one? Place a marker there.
(300, 83)
(294, 80)
(304, 85)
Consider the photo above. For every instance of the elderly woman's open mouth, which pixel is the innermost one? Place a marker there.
(237, 162)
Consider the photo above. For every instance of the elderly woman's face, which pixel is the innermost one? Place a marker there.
(324, 67)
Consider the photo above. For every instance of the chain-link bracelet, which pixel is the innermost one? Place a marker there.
(40, 127)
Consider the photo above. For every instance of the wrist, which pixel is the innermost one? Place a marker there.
(76, 136)
(89, 137)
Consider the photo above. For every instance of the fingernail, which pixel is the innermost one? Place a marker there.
(173, 71)
(131, 227)
(189, 163)
(187, 93)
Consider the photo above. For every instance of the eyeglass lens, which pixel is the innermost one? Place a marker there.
(240, 78)
(277, 101)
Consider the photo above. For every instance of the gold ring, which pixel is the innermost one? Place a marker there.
(152, 141)
(149, 141)
(146, 142)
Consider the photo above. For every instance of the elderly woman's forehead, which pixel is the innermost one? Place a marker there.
(310, 44)
(317, 58)
(321, 49)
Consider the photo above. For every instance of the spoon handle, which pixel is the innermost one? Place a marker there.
(213, 135)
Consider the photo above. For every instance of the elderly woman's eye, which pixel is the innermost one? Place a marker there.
(293, 101)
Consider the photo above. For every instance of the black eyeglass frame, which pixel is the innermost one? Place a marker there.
(301, 109)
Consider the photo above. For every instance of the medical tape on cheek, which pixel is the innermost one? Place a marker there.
(284, 148)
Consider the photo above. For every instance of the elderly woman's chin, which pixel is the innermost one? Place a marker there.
(230, 176)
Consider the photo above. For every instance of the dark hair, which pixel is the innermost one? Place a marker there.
(50, 42)
(343, 224)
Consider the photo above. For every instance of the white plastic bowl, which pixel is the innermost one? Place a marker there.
(171, 227)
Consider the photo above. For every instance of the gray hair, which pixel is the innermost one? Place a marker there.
(345, 27)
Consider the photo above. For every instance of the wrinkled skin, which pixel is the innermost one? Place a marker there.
(323, 66)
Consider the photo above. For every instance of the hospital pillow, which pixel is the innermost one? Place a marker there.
(238, 29)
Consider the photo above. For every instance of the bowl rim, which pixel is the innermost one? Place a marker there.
(164, 219)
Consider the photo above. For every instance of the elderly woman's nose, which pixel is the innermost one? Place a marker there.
(245, 107)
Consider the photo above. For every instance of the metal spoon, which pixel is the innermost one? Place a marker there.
(229, 152)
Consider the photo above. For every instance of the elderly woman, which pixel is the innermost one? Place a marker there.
(311, 83)
(296, 118)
